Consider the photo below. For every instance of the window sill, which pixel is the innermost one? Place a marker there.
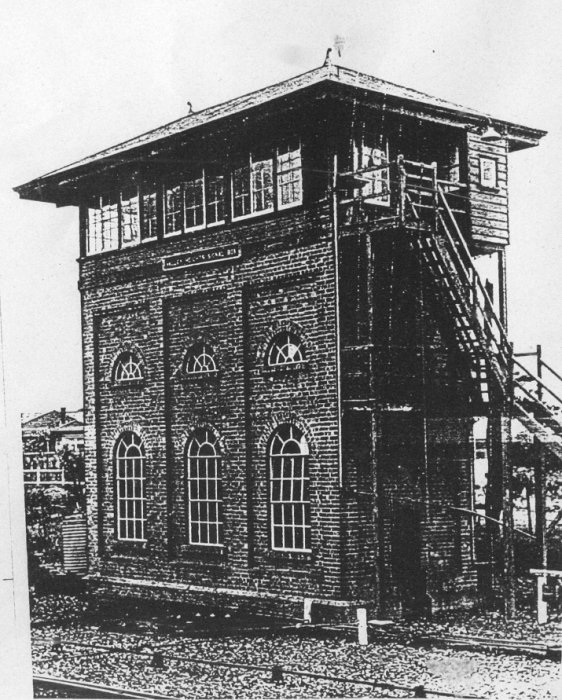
(203, 554)
(197, 376)
(136, 384)
(253, 215)
(289, 368)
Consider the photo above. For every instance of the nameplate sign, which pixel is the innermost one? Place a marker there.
(205, 256)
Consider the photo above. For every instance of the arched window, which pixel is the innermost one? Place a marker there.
(285, 349)
(289, 489)
(204, 489)
(200, 359)
(130, 458)
(128, 368)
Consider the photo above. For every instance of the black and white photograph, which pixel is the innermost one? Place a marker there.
(281, 349)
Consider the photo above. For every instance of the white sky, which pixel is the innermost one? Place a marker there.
(77, 76)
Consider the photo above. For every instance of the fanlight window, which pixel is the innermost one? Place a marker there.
(289, 490)
(200, 360)
(130, 461)
(128, 368)
(204, 489)
(285, 349)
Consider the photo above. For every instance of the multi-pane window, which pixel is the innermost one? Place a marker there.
(289, 490)
(241, 200)
(285, 349)
(130, 461)
(289, 176)
(130, 217)
(215, 199)
(128, 368)
(194, 203)
(204, 489)
(174, 209)
(252, 188)
(200, 359)
(372, 154)
(103, 224)
(262, 185)
(149, 220)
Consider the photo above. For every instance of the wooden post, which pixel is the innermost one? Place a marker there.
(499, 483)
(542, 607)
(362, 636)
(539, 371)
(402, 188)
(540, 524)
(307, 615)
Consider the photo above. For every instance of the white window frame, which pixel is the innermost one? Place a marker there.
(276, 346)
(204, 486)
(100, 220)
(185, 183)
(132, 359)
(282, 478)
(133, 243)
(194, 354)
(208, 202)
(280, 152)
(362, 154)
(252, 164)
(145, 191)
(130, 471)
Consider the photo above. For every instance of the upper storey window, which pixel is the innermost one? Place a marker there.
(103, 224)
(130, 216)
(371, 153)
(252, 188)
(289, 176)
(194, 203)
(257, 184)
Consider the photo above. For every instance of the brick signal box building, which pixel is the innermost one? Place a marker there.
(286, 344)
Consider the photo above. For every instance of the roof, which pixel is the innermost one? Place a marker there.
(51, 420)
(326, 73)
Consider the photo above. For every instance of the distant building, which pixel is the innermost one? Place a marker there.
(44, 437)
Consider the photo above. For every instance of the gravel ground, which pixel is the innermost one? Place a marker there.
(462, 672)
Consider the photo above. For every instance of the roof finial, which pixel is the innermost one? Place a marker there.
(189, 108)
(328, 59)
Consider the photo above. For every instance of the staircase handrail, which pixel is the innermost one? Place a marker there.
(460, 243)
(539, 381)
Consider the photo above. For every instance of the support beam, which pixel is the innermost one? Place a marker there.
(540, 514)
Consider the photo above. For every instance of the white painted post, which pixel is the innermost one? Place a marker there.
(363, 638)
(542, 605)
(307, 616)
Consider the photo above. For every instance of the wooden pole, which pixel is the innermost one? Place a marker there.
(362, 636)
(540, 521)
(539, 372)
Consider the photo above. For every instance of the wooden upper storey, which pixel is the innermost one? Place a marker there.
(278, 149)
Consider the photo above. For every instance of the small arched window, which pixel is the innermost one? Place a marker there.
(128, 368)
(204, 489)
(285, 349)
(130, 458)
(289, 489)
(200, 359)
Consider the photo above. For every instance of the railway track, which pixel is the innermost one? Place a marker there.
(48, 686)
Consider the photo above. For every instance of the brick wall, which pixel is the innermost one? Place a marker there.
(284, 279)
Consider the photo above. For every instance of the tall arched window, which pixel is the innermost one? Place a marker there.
(285, 349)
(200, 359)
(128, 368)
(204, 489)
(130, 458)
(289, 489)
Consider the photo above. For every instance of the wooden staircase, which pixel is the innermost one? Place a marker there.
(428, 212)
